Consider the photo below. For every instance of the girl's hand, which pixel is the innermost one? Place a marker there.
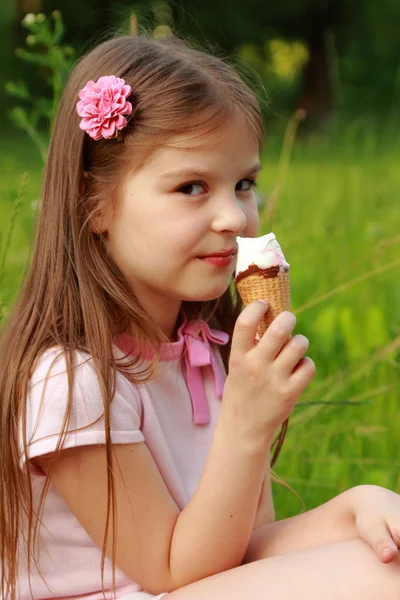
(377, 514)
(266, 378)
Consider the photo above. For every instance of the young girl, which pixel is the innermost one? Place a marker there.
(131, 465)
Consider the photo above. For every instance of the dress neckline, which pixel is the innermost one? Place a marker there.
(194, 345)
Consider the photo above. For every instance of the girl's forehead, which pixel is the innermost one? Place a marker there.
(204, 139)
(232, 143)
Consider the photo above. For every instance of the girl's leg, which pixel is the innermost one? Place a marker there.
(347, 570)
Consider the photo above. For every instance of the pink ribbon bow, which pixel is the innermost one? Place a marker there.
(193, 344)
(197, 336)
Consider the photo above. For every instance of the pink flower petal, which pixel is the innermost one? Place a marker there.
(95, 134)
(108, 130)
(85, 124)
(120, 122)
(102, 106)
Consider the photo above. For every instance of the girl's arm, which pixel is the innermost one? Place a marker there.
(265, 509)
(369, 512)
(213, 531)
(331, 522)
(158, 546)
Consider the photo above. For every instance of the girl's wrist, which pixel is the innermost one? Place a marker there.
(249, 439)
(364, 498)
(355, 497)
(343, 514)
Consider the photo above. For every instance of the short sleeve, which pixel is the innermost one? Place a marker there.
(47, 403)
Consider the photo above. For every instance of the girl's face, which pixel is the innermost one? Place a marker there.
(181, 205)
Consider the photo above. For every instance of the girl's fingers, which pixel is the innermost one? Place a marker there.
(303, 374)
(291, 353)
(384, 546)
(246, 326)
(395, 535)
(389, 554)
(378, 536)
(277, 335)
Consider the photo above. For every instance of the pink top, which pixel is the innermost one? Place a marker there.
(174, 414)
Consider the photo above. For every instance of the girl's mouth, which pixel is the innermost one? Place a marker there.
(218, 261)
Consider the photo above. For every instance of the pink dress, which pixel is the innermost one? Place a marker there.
(174, 414)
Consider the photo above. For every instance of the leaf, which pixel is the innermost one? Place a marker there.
(58, 30)
(18, 89)
(19, 117)
(38, 59)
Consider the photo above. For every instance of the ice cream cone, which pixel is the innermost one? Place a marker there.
(271, 284)
(262, 272)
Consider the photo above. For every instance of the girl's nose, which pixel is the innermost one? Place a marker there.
(229, 215)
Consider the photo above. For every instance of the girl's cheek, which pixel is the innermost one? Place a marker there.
(253, 221)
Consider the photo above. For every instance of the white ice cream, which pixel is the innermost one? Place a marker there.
(263, 251)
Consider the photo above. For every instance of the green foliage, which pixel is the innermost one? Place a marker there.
(5, 247)
(335, 217)
(54, 61)
(360, 38)
(369, 65)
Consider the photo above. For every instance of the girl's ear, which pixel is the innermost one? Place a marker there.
(99, 221)
(98, 224)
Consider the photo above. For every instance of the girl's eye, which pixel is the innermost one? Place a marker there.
(185, 189)
(189, 187)
(250, 184)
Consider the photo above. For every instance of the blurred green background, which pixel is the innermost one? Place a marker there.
(329, 190)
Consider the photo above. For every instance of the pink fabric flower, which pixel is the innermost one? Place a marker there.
(102, 106)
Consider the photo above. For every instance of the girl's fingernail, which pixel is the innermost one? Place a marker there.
(263, 302)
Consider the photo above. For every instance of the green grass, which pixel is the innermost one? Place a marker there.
(21, 171)
(337, 220)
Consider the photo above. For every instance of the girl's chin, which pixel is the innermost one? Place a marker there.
(209, 295)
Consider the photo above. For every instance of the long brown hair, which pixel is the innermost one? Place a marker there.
(73, 295)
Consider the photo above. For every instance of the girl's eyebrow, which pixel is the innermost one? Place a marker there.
(197, 173)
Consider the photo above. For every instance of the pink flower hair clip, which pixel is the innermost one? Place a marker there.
(102, 107)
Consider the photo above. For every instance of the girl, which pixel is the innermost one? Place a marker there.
(129, 467)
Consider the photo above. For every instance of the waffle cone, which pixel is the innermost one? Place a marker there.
(276, 290)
